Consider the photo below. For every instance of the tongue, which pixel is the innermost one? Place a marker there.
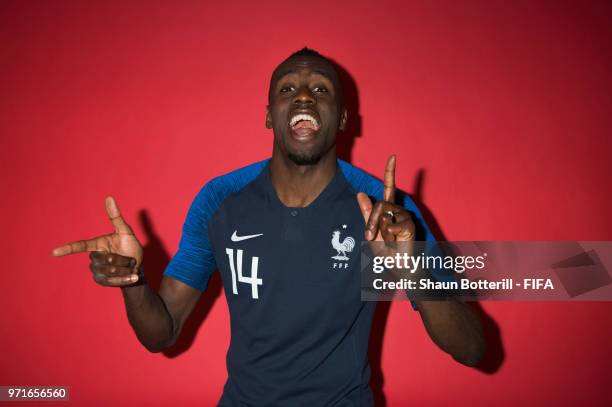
(304, 124)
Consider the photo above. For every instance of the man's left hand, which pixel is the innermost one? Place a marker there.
(386, 221)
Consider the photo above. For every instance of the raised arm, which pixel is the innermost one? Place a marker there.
(116, 261)
(452, 324)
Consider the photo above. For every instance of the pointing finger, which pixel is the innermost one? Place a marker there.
(389, 190)
(76, 247)
(115, 216)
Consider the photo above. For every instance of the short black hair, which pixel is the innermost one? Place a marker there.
(309, 52)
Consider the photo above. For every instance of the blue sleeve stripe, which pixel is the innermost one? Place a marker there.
(194, 262)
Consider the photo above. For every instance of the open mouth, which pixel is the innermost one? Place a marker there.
(304, 124)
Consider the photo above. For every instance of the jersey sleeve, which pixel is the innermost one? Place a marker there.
(194, 261)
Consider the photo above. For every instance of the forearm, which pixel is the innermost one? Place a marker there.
(455, 328)
(149, 317)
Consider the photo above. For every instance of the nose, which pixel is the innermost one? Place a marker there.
(304, 97)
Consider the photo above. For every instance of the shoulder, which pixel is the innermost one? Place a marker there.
(361, 181)
(219, 188)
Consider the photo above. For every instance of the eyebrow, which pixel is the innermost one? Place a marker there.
(323, 73)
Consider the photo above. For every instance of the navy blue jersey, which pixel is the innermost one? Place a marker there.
(299, 331)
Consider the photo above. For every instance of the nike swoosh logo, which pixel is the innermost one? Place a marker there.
(236, 238)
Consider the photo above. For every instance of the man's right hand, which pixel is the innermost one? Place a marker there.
(116, 258)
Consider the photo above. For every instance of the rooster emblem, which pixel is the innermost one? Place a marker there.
(343, 247)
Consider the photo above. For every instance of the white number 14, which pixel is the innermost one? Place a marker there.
(253, 280)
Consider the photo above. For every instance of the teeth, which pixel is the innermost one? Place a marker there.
(299, 117)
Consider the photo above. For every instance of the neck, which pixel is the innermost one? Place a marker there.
(297, 186)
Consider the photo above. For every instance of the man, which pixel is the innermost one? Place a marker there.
(284, 234)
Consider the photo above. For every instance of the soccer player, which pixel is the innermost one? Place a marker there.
(285, 236)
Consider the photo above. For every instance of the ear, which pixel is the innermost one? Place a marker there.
(268, 118)
(343, 118)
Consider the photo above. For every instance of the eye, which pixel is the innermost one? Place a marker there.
(286, 89)
(321, 89)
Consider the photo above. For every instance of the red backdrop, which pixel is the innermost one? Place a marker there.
(499, 113)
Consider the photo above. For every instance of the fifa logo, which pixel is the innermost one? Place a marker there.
(238, 277)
